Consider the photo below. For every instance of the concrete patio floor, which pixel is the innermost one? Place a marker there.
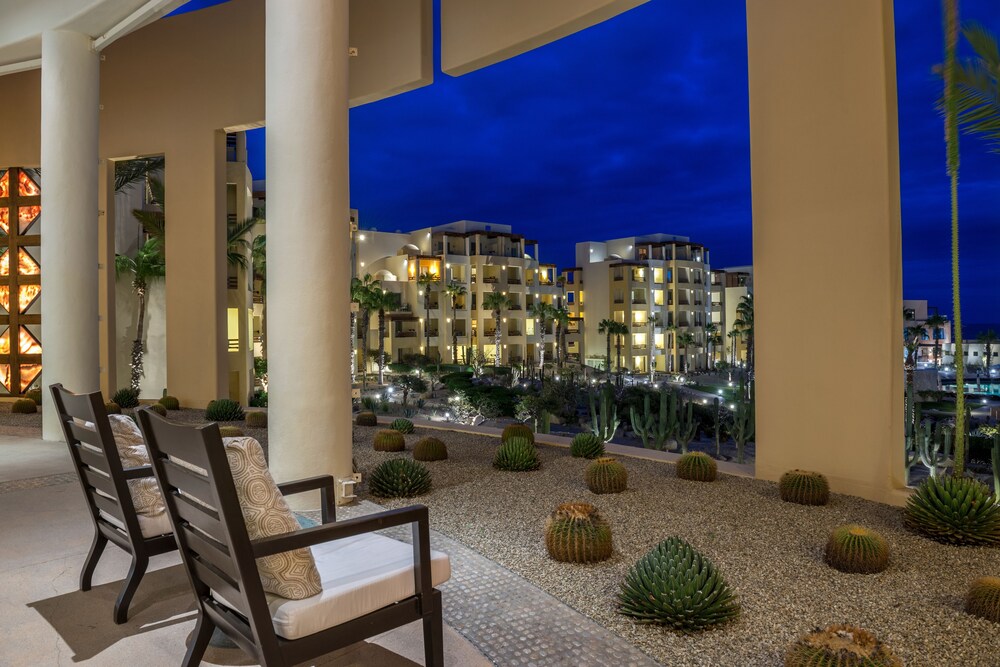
(46, 620)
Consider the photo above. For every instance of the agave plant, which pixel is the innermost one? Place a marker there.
(399, 478)
(954, 510)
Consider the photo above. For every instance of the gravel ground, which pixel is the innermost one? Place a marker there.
(770, 552)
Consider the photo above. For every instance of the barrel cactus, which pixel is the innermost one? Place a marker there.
(587, 446)
(170, 403)
(577, 533)
(112, 408)
(983, 599)
(606, 475)
(804, 487)
(366, 419)
(840, 646)
(954, 510)
(35, 395)
(402, 425)
(675, 586)
(224, 410)
(389, 441)
(158, 409)
(399, 478)
(126, 398)
(24, 406)
(856, 549)
(697, 467)
(257, 419)
(231, 432)
(516, 455)
(430, 449)
(517, 431)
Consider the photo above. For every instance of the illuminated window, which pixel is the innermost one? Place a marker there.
(20, 280)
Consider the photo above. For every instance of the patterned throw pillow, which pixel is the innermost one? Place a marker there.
(132, 450)
(291, 574)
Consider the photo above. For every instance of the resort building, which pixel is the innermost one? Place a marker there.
(916, 312)
(729, 287)
(473, 259)
(657, 285)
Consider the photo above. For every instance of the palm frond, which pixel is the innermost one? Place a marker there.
(153, 222)
(129, 173)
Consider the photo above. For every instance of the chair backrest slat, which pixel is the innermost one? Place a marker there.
(210, 550)
(194, 484)
(204, 519)
(97, 482)
(87, 434)
(108, 505)
(220, 585)
(91, 458)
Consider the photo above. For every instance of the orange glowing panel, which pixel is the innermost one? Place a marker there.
(5, 220)
(28, 374)
(5, 341)
(5, 376)
(25, 186)
(26, 264)
(26, 343)
(5, 264)
(26, 217)
(4, 184)
(26, 295)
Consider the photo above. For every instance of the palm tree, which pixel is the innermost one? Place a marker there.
(620, 330)
(911, 343)
(686, 340)
(454, 289)
(128, 173)
(987, 339)
(607, 327)
(237, 246)
(361, 292)
(744, 322)
(935, 322)
(977, 87)
(542, 312)
(671, 330)
(147, 265)
(258, 259)
(561, 316)
(711, 334)
(733, 344)
(380, 300)
(497, 302)
(426, 281)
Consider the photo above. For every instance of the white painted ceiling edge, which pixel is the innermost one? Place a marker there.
(103, 20)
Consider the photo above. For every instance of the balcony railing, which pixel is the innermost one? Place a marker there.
(514, 281)
(638, 302)
(491, 280)
(405, 334)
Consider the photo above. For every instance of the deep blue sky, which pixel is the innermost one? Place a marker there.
(640, 125)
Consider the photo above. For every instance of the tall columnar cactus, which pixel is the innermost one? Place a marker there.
(934, 446)
(911, 430)
(744, 425)
(654, 429)
(604, 418)
(687, 426)
(840, 646)
(577, 533)
(717, 423)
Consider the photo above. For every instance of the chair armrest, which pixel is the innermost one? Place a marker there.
(414, 514)
(138, 472)
(324, 483)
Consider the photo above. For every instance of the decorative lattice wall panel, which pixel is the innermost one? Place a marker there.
(20, 279)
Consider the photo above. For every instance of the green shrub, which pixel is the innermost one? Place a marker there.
(224, 410)
(954, 510)
(126, 398)
(257, 419)
(35, 395)
(517, 431)
(840, 646)
(24, 406)
(586, 446)
(606, 475)
(158, 409)
(231, 432)
(366, 419)
(516, 455)
(804, 487)
(112, 408)
(170, 403)
(697, 467)
(430, 449)
(389, 441)
(402, 425)
(857, 550)
(456, 381)
(983, 599)
(399, 478)
(676, 586)
(577, 533)
(259, 399)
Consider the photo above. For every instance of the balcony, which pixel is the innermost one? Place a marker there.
(514, 281)
(491, 280)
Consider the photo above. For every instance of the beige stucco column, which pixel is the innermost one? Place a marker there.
(195, 207)
(308, 248)
(827, 250)
(69, 130)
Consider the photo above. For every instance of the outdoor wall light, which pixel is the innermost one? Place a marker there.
(361, 237)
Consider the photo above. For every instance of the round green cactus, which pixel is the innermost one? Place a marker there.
(399, 478)
(231, 432)
(577, 533)
(675, 586)
(35, 395)
(170, 403)
(606, 475)
(516, 455)
(840, 646)
(983, 599)
(366, 419)
(517, 431)
(158, 409)
(697, 467)
(804, 487)
(430, 449)
(954, 510)
(257, 419)
(389, 441)
(587, 446)
(24, 406)
(857, 550)
(224, 410)
(112, 408)
(402, 425)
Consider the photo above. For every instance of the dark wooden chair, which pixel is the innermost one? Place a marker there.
(105, 486)
(220, 558)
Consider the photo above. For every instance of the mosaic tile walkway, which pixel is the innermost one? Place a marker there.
(37, 482)
(511, 621)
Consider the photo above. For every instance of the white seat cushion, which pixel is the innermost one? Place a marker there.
(360, 574)
(150, 526)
